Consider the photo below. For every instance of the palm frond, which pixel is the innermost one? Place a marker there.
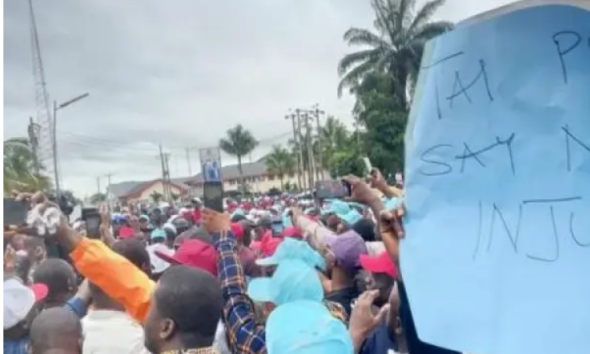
(431, 30)
(354, 76)
(361, 36)
(355, 58)
(424, 15)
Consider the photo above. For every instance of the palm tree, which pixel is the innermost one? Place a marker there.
(156, 196)
(280, 162)
(238, 142)
(21, 170)
(396, 47)
(97, 198)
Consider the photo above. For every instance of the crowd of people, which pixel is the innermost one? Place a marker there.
(275, 275)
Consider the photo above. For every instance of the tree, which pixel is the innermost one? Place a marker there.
(174, 197)
(280, 162)
(396, 48)
(238, 142)
(156, 196)
(97, 198)
(20, 168)
(383, 123)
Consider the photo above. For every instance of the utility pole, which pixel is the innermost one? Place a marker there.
(188, 161)
(320, 165)
(299, 143)
(298, 155)
(311, 163)
(98, 184)
(165, 173)
(108, 199)
(32, 130)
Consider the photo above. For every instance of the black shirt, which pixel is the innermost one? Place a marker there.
(345, 297)
(415, 345)
(379, 342)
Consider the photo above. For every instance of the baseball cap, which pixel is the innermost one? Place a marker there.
(347, 248)
(144, 217)
(342, 210)
(19, 299)
(158, 264)
(158, 233)
(292, 248)
(193, 253)
(293, 231)
(238, 230)
(378, 264)
(292, 280)
(306, 327)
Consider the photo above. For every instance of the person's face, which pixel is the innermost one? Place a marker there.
(157, 330)
(134, 222)
(382, 282)
(143, 224)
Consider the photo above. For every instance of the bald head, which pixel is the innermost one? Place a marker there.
(56, 330)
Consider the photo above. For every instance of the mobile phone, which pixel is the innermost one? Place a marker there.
(368, 165)
(92, 219)
(277, 227)
(332, 189)
(213, 195)
(15, 212)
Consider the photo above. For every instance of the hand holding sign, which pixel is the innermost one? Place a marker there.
(497, 171)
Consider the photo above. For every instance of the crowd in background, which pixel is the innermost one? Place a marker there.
(272, 275)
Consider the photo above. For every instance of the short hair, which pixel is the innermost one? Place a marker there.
(134, 251)
(55, 328)
(191, 298)
(366, 229)
(57, 274)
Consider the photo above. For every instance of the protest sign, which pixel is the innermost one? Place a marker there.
(497, 251)
(210, 164)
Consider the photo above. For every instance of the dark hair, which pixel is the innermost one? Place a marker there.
(55, 328)
(192, 299)
(134, 250)
(57, 274)
(366, 229)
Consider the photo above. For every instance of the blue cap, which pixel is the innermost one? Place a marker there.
(292, 280)
(239, 212)
(291, 248)
(158, 233)
(343, 211)
(306, 327)
(391, 203)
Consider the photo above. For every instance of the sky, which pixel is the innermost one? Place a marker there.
(178, 73)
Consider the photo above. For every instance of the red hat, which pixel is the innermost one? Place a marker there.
(269, 247)
(126, 232)
(194, 253)
(293, 231)
(238, 230)
(379, 264)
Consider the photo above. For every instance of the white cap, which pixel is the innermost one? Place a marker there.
(158, 264)
(19, 300)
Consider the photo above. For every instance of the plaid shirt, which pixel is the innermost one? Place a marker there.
(245, 335)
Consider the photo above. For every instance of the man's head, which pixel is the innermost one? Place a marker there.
(35, 248)
(56, 330)
(134, 250)
(343, 252)
(60, 279)
(379, 274)
(186, 308)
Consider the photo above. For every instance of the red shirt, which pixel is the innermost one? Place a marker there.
(197, 215)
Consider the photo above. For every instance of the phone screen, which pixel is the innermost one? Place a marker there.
(277, 228)
(213, 195)
(15, 213)
(331, 189)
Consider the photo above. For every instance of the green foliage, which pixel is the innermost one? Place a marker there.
(238, 142)
(346, 162)
(20, 170)
(156, 196)
(395, 47)
(175, 196)
(280, 161)
(97, 198)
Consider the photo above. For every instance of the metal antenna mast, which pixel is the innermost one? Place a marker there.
(43, 118)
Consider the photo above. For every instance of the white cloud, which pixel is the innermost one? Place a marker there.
(179, 73)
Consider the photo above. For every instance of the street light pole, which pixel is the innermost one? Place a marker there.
(56, 108)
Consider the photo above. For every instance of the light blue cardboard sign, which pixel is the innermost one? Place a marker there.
(497, 254)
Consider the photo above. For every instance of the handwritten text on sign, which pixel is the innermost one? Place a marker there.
(498, 185)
